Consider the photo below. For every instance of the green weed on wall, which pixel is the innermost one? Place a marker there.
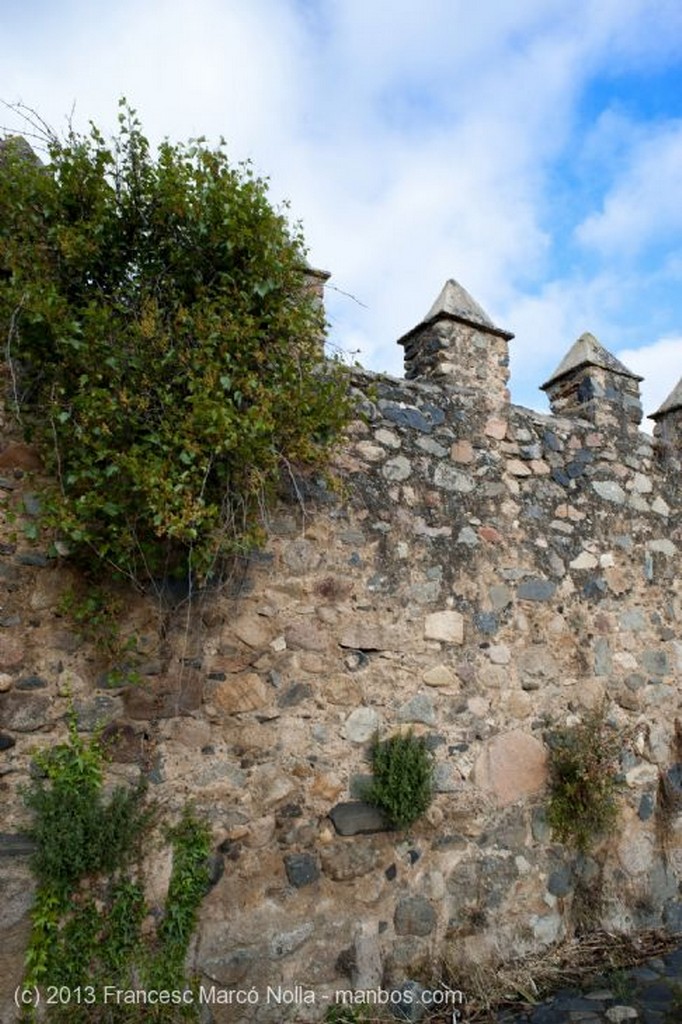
(92, 927)
(403, 778)
(583, 769)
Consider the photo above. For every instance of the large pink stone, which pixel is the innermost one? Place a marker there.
(511, 766)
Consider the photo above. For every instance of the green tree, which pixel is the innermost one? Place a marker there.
(164, 349)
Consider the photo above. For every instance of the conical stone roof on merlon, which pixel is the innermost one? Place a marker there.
(587, 351)
(671, 403)
(455, 303)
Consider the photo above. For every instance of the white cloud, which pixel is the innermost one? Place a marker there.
(416, 142)
(548, 323)
(642, 206)
(189, 66)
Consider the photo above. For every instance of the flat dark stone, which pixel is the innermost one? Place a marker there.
(561, 477)
(434, 740)
(355, 818)
(295, 694)
(536, 590)
(164, 698)
(96, 711)
(575, 469)
(31, 683)
(584, 455)
(6, 741)
(486, 622)
(151, 668)
(408, 418)
(551, 441)
(16, 844)
(530, 451)
(32, 558)
(10, 575)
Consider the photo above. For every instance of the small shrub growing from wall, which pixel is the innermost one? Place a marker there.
(403, 778)
(583, 768)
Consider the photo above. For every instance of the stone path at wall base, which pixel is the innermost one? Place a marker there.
(648, 994)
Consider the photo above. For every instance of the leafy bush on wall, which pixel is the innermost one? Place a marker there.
(164, 346)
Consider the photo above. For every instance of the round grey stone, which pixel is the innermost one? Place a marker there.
(301, 869)
(414, 915)
(560, 882)
(361, 725)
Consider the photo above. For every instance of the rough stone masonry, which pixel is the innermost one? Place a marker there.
(481, 574)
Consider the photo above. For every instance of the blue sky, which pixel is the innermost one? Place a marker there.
(532, 151)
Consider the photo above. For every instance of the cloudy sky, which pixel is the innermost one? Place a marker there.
(531, 149)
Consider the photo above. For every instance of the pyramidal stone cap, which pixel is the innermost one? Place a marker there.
(672, 402)
(455, 303)
(587, 351)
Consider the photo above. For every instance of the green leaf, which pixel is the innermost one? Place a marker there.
(168, 343)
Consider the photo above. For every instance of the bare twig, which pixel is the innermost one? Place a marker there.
(38, 129)
(348, 295)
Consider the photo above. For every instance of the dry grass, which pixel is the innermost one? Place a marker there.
(522, 983)
(518, 985)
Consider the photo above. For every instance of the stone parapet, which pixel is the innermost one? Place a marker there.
(480, 574)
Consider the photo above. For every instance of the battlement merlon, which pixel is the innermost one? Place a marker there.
(458, 341)
(592, 384)
(668, 428)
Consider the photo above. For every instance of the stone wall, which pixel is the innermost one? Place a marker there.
(480, 573)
